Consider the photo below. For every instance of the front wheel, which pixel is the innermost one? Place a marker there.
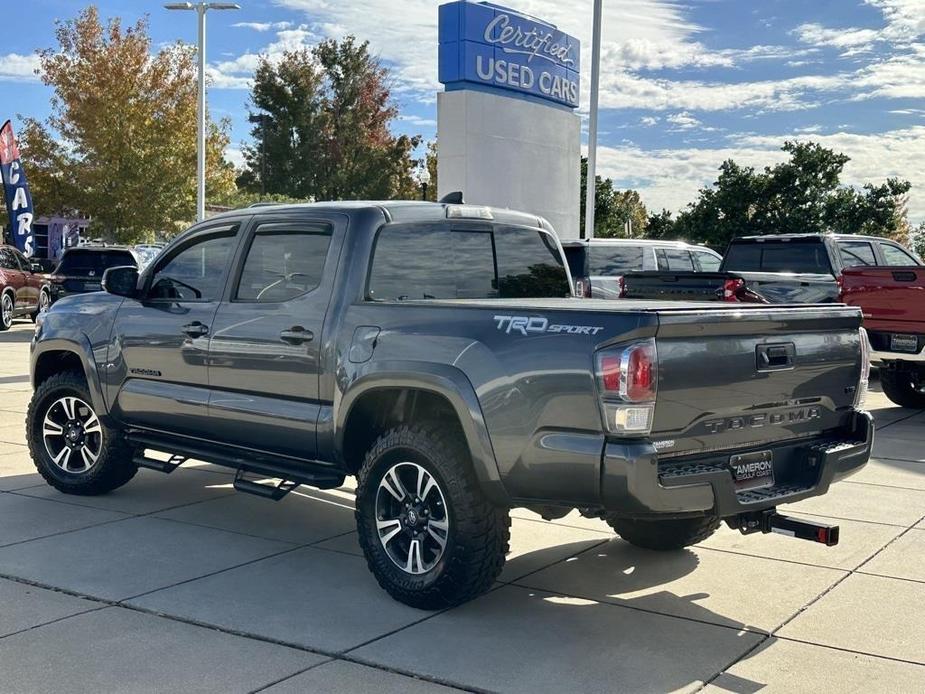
(70, 445)
(664, 535)
(430, 536)
(44, 303)
(905, 388)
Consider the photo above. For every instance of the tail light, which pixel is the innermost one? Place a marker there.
(622, 282)
(583, 287)
(864, 378)
(628, 382)
(731, 289)
(840, 283)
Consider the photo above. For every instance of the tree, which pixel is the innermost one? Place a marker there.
(120, 144)
(917, 240)
(801, 195)
(660, 225)
(430, 163)
(613, 209)
(325, 127)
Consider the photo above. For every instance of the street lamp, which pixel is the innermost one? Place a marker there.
(424, 178)
(591, 180)
(201, 8)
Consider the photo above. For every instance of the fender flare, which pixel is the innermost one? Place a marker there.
(82, 349)
(443, 380)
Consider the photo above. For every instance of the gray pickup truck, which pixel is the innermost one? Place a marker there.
(435, 352)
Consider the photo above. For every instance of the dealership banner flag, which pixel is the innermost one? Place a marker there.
(16, 190)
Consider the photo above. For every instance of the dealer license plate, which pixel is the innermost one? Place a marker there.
(92, 286)
(904, 343)
(752, 470)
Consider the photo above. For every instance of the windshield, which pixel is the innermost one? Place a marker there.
(778, 256)
(85, 262)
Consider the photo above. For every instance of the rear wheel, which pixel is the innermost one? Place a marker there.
(431, 538)
(6, 311)
(905, 388)
(665, 535)
(44, 303)
(71, 447)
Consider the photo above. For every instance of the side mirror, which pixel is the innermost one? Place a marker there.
(36, 267)
(121, 281)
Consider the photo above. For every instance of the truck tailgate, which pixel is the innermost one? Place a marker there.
(756, 377)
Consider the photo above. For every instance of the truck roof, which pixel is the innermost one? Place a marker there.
(631, 242)
(816, 237)
(396, 211)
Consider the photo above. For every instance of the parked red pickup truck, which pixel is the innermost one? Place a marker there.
(893, 302)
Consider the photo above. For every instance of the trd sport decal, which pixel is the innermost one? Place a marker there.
(525, 325)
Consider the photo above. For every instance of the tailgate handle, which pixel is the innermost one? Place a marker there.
(904, 276)
(776, 357)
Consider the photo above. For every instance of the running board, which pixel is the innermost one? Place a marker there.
(771, 521)
(311, 473)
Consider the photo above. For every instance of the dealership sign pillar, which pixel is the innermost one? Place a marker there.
(507, 134)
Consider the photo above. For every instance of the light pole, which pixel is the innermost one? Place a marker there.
(201, 8)
(591, 181)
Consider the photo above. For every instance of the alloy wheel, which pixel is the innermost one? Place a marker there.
(72, 434)
(412, 519)
(7, 310)
(44, 302)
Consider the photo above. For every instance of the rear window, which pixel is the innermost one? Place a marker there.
(439, 262)
(778, 256)
(82, 262)
(614, 260)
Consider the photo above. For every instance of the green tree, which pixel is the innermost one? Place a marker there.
(660, 225)
(120, 144)
(800, 195)
(430, 162)
(917, 240)
(613, 209)
(325, 132)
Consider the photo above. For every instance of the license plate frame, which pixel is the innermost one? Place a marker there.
(901, 342)
(752, 470)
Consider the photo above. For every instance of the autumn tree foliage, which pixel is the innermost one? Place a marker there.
(120, 144)
(323, 130)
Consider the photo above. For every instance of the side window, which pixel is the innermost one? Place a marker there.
(284, 261)
(855, 253)
(196, 273)
(529, 264)
(894, 255)
(661, 259)
(707, 262)
(21, 260)
(7, 260)
(679, 259)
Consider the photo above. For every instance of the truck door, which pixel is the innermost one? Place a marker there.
(158, 376)
(266, 341)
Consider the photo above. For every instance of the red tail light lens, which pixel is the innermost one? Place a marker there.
(631, 373)
(640, 369)
(731, 289)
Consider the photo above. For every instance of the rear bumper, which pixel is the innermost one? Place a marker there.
(634, 482)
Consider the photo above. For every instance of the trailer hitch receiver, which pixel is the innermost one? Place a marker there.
(771, 521)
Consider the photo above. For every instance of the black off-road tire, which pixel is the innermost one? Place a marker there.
(902, 388)
(664, 535)
(114, 466)
(479, 532)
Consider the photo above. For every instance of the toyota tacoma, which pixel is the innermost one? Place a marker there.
(435, 352)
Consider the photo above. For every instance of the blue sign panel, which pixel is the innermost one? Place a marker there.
(16, 191)
(485, 46)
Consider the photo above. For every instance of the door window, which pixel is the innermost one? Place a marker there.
(894, 255)
(195, 273)
(8, 260)
(707, 261)
(856, 253)
(285, 260)
(679, 259)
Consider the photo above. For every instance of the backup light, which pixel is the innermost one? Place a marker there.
(468, 212)
(864, 378)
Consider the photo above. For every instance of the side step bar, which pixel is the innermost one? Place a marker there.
(771, 521)
(259, 489)
(294, 472)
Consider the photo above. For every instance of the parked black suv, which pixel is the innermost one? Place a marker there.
(434, 352)
(81, 268)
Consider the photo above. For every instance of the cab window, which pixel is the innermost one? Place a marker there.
(856, 253)
(894, 255)
(285, 260)
(196, 272)
(706, 262)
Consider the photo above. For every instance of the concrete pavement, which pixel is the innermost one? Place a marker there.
(176, 583)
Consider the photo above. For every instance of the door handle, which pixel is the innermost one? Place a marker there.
(296, 335)
(195, 329)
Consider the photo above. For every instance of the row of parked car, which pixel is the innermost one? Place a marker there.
(878, 275)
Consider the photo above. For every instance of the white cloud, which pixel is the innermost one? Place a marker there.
(418, 121)
(671, 178)
(852, 38)
(262, 26)
(235, 156)
(648, 120)
(19, 68)
(238, 73)
(683, 121)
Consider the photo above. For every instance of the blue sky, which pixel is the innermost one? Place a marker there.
(685, 85)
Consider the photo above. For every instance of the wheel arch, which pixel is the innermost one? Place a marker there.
(385, 397)
(54, 356)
